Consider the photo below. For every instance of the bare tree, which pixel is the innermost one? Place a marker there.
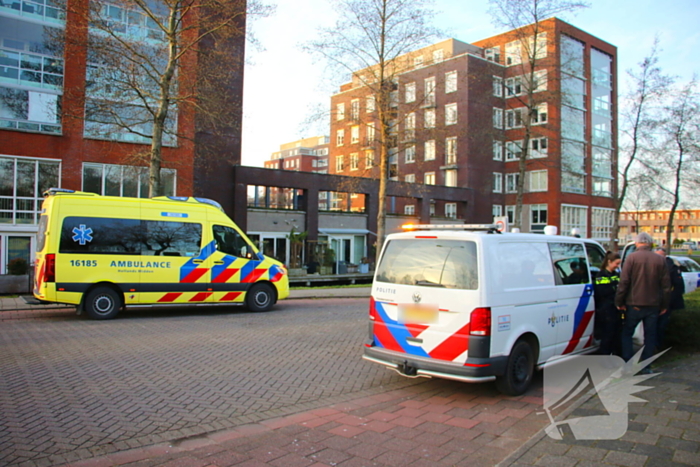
(524, 18)
(647, 87)
(370, 42)
(143, 59)
(673, 163)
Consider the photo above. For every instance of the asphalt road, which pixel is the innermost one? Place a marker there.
(69, 384)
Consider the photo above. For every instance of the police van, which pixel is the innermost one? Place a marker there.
(103, 253)
(471, 304)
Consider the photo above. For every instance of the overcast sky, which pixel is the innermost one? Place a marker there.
(283, 84)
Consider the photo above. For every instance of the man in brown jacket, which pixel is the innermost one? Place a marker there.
(643, 294)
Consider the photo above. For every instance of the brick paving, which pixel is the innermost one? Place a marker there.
(362, 416)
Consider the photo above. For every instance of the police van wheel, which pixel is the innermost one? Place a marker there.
(260, 297)
(102, 303)
(519, 370)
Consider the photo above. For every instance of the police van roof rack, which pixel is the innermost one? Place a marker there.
(489, 228)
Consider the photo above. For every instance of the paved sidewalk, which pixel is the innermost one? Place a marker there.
(442, 423)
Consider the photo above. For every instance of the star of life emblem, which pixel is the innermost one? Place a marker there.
(82, 235)
(416, 297)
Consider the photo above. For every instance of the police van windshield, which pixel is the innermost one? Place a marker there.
(450, 264)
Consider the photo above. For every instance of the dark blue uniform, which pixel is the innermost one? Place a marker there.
(608, 322)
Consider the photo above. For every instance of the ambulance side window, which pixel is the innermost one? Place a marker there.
(570, 263)
(167, 238)
(231, 242)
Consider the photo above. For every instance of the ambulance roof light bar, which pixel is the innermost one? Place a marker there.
(491, 228)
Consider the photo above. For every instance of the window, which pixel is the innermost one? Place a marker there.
(429, 118)
(540, 81)
(339, 163)
(340, 137)
(451, 150)
(123, 180)
(514, 86)
(498, 150)
(538, 147)
(512, 183)
(540, 115)
(449, 264)
(538, 46)
(438, 55)
(602, 223)
(410, 154)
(513, 56)
(410, 92)
(371, 104)
(514, 118)
(498, 118)
(370, 133)
(513, 150)
(450, 82)
(409, 210)
(340, 111)
(493, 54)
(574, 217)
(410, 127)
(510, 214)
(22, 184)
(355, 134)
(497, 210)
(429, 150)
(451, 114)
(418, 61)
(430, 91)
(602, 187)
(229, 241)
(570, 264)
(497, 182)
(394, 99)
(538, 217)
(451, 210)
(131, 237)
(497, 86)
(429, 178)
(355, 109)
(393, 164)
(410, 178)
(369, 158)
(354, 161)
(538, 180)
(451, 177)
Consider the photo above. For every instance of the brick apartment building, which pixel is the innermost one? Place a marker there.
(686, 225)
(458, 124)
(43, 144)
(305, 155)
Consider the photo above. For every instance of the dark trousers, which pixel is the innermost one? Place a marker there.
(633, 316)
(609, 326)
(661, 329)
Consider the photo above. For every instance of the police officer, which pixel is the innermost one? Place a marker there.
(608, 322)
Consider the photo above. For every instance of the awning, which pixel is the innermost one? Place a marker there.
(345, 232)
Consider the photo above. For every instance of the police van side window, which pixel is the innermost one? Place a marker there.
(569, 263)
(595, 256)
(166, 238)
(229, 241)
(99, 235)
(522, 265)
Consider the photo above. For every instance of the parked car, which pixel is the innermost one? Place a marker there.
(690, 270)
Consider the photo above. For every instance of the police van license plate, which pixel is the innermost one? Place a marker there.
(418, 313)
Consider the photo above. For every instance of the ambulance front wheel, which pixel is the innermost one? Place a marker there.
(102, 303)
(519, 370)
(260, 297)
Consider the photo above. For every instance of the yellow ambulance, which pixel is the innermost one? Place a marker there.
(103, 253)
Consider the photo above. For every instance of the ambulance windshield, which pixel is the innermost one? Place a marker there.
(451, 264)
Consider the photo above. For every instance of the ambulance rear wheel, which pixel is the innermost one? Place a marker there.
(519, 370)
(260, 297)
(102, 303)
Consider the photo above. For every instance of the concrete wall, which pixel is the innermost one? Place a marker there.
(266, 220)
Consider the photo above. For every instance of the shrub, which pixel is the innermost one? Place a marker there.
(17, 267)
